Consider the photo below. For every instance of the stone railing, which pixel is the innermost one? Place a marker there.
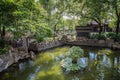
(91, 42)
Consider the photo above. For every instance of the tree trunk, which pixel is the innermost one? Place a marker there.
(0, 32)
(117, 27)
(55, 31)
(100, 31)
(3, 32)
(2, 41)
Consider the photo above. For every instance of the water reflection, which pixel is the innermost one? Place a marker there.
(92, 56)
(83, 61)
(33, 75)
(47, 67)
(24, 65)
(75, 78)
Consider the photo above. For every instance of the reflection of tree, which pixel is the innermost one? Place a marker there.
(75, 78)
(115, 72)
(107, 67)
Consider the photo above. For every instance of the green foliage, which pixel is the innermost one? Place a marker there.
(2, 42)
(111, 35)
(70, 62)
(105, 52)
(7, 7)
(24, 16)
(42, 33)
(75, 78)
(75, 52)
(95, 10)
(93, 36)
(4, 49)
(98, 36)
(117, 37)
(42, 17)
(68, 65)
(114, 11)
(3, 46)
(104, 36)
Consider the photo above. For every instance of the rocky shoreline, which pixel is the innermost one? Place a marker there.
(26, 51)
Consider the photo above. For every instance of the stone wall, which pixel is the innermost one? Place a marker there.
(14, 54)
(11, 57)
(35, 46)
(95, 43)
(22, 52)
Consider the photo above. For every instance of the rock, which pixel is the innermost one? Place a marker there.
(32, 55)
(1, 61)
(64, 38)
(101, 41)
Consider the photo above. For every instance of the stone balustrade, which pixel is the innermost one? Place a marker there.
(91, 42)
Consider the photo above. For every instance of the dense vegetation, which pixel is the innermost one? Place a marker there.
(73, 59)
(42, 17)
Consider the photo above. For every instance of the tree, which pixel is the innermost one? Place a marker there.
(115, 11)
(96, 11)
(7, 7)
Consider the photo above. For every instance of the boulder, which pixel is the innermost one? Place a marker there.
(1, 61)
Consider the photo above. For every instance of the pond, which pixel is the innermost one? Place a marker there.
(47, 66)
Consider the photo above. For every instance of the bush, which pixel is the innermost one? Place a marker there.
(102, 36)
(70, 63)
(111, 35)
(75, 52)
(3, 46)
(2, 43)
(98, 36)
(93, 36)
(117, 38)
(3, 50)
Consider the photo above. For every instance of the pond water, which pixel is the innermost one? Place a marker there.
(47, 66)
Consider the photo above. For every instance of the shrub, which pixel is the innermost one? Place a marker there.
(70, 63)
(117, 37)
(75, 52)
(102, 36)
(111, 35)
(3, 50)
(2, 42)
(98, 36)
(93, 36)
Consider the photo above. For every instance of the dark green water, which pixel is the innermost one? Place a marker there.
(47, 67)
